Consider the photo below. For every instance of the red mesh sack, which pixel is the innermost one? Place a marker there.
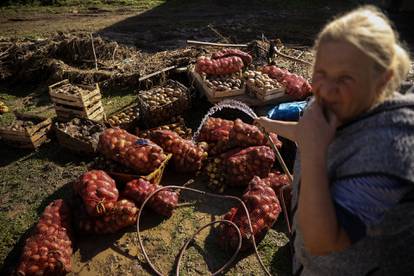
(276, 180)
(98, 192)
(295, 85)
(142, 155)
(242, 166)
(264, 209)
(162, 203)
(48, 250)
(245, 135)
(187, 156)
(216, 132)
(123, 214)
(247, 59)
(222, 66)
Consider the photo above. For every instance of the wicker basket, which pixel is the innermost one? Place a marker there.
(134, 107)
(126, 175)
(152, 116)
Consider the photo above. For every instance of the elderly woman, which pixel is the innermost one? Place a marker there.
(352, 194)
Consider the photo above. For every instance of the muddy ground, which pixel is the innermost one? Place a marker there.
(31, 180)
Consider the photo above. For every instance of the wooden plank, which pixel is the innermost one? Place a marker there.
(65, 81)
(5, 131)
(66, 102)
(40, 141)
(194, 42)
(37, 127)
(90, 94)
(92, 101)
(61, 109)
(16, 138)
(264, 93)
(66, 99)
(96, 112)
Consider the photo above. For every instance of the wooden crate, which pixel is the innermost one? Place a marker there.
(214, 94)
(86, 105)
(28, 137)
(75, 144)
(266, 95)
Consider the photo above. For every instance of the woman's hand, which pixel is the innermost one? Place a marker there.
(321, 231)
(316, 130)
(282, 128)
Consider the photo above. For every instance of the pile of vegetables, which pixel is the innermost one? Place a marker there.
(187, 156)
(241, 166)
(264, 209)
(224, 82)
(260, 80)
(162, 203)
(224, 62)
(48, 250)
(124, 117)
(139, 154)
(123, 214)
(178, 127)
(82, 129)
(98, 192)
(295, 85)
(160, 104)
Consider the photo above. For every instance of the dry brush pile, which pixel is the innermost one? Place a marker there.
(73, 57)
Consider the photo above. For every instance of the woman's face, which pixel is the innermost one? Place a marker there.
(343, 80)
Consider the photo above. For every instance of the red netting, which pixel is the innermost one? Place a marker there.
(48, 251)
(187, 156)
(98, 191)
(264, 209)
(139, 154)
(162, 203)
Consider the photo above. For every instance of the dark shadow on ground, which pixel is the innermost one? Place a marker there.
(169, 25)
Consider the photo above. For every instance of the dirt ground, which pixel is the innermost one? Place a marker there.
(31, 180)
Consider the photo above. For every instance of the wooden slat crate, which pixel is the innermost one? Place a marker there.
(266, 95)
(214, 94)
(28, 137)
(87, 104)
(75, 144)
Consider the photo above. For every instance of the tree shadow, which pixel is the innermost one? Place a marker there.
(170, 24)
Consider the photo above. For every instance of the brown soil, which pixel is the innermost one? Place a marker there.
(30, 180)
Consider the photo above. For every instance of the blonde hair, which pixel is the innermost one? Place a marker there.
(368, 29)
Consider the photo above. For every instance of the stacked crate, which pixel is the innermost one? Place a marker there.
(85, 103)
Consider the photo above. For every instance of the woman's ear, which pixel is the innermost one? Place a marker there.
(384, 79)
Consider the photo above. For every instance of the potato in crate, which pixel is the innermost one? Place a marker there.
(160, 104)
(26, 131)
(125, 118)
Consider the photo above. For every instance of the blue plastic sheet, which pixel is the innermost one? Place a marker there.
(287, 111)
